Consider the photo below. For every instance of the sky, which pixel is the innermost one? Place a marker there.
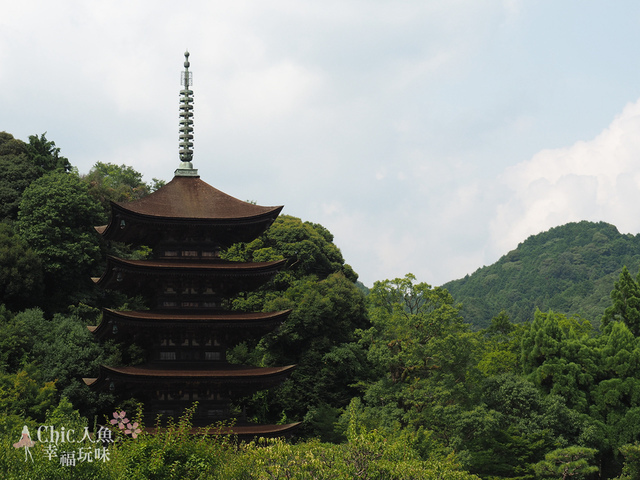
(429, 137)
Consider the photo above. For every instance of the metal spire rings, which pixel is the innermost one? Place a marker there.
(186, 123)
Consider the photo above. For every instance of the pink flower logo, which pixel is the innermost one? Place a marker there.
(133, 430)
(120, 419)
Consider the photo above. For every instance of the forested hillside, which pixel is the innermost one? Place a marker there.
(569, 269)
(391, 383)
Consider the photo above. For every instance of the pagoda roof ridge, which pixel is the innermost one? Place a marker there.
(223, 370)
(231, 321)
(123, 274)
(195, 316)
(192, 203)
(222, 374)
(188, 263)
(169, 267)
(192, 198)
(195, 266)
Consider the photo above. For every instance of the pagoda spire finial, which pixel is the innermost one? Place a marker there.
(186, 124)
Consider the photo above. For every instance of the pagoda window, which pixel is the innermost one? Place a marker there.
(169, 304)
(215, 413)
(167, 341)
(212, 356)
(209, 291)
(169, 289)
(170, 253)
(189, 289)
(195, 342)
(209, 304)
(208, 254)
(190, 304)
(167, 355)
(185, 342)
(189, 253)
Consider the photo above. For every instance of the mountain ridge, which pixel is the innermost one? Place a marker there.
(569, 269)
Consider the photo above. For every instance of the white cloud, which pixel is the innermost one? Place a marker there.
(268, 92)
(387, 122)
(593, 180)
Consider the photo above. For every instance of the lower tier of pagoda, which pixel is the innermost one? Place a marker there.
(168, 392)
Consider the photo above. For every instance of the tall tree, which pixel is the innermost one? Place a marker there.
(567, 463)
(16, 173)
(65, 351)
(625, 307)
(559, 356)
(21, 275)
(422, 352)
(319, 335)
(56, 219)
(46, 156)
(21, 163)
(501, 346)
(118, 183)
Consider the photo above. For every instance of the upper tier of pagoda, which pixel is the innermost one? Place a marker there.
(187, 207)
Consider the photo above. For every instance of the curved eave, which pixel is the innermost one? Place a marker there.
(193, 198)
(169, 269)
(163, 320)
(242, 229)
(187, 201)
(229, 376)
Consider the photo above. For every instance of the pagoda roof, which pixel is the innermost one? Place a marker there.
(131, 271)
(159, 319)
(187, 201)
(192, 198)
(225, 374)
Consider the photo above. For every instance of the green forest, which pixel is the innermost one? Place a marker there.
(526, 369)
(569, 269)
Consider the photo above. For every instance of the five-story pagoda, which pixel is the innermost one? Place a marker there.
(188, 328)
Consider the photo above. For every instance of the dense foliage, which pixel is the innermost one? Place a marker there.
(318, 336)
(21, 163)
(569, 269)
(176, 454)
(393, 383)
(56, 218)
